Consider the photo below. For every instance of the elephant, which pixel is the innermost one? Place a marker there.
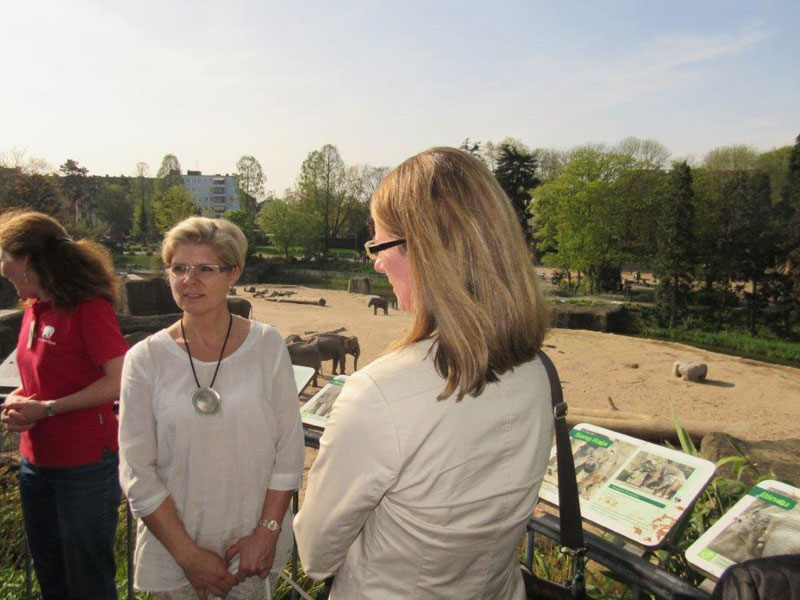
(241, 307)
(306, 355)
(336, 347)
(293, 338)
(377, 302)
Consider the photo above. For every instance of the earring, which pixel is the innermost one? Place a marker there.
(25, 274)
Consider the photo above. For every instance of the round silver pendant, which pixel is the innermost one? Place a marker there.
(206, 400)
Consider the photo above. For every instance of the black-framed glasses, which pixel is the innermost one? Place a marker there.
(179, 270)
(373, 248)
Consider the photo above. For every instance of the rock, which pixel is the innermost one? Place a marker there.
(358, 285)
(690, 370)
(232, 291)
(607, 319)
(780, 457)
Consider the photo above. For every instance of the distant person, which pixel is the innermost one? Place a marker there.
(432, 460)
(210, 435)
(70, 355)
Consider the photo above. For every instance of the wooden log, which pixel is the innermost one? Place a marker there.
(312, 301)
(652, 429)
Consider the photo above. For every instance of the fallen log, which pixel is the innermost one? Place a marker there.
(652, 429)
(311, 301)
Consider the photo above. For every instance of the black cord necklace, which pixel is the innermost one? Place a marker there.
(206, 399)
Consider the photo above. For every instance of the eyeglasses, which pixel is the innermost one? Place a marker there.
(373, 248)
(180, 271)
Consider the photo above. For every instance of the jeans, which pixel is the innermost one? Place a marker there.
(70, 522)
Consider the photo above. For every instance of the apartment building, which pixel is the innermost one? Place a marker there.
(213, 194)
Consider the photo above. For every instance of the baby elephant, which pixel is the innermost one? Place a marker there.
(335, 348)
(306, 355)
(377, 302)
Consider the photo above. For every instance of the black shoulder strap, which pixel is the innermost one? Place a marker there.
(569, 508)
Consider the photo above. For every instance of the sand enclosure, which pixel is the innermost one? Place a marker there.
(761, 400)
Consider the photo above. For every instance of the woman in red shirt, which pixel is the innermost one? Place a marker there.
(70, 353)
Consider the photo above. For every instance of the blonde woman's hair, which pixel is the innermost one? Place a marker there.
(225, 237)
(474, 287)
(69, 271)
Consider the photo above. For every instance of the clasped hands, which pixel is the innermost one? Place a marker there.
(20, 413)
(208, 571)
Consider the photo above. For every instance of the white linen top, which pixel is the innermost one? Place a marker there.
(217, 468)
(412, 497)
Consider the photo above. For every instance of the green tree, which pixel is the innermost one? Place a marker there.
(141, 197)
(731, 158)
(169, 173)
(775, 163)
(19, 189)
(788, 214)
(115, 210)
(173, 206)
(242, 219)
(250, 183)
(516, 173)
(675, 256)
(284, 222)
(75, 184)
(323, 189)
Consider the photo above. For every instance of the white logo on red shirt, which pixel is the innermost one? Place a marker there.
(48, 331)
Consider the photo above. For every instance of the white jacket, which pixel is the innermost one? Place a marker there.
(411, 497)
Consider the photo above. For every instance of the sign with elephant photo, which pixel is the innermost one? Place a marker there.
(636, 489)
(317, 411)
(765, 522)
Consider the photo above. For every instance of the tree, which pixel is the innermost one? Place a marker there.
(140, 197)
(170, 171)
(731, 158)
(74, 183)
(675, 256)
(115, 210)
(28, 190)
(775, 163)
(648, 154)
(173, 206)
(284, 222)
(250, 182)
(322, 189)
(473, 148)
(516, 173)
(242, 219)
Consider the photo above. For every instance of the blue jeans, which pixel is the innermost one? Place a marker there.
(70, 521)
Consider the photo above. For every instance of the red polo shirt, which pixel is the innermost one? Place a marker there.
(63, 354)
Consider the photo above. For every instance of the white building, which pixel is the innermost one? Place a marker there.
(213, 194)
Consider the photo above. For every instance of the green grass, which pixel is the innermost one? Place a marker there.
(740, 344)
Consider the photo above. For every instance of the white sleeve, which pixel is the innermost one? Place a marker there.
(358, 461)
(138, 441)
(287, 471)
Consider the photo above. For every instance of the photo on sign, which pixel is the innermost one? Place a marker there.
(761, 530)
(322, 404)
(594, 465)
(655, 475)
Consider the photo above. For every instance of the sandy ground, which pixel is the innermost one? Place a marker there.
(761, 401)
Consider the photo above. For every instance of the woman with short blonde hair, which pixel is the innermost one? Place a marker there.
(210, 434)
(432, 459)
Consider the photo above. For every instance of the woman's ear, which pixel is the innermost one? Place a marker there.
(236, 272)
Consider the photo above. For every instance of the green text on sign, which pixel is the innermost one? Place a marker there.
(591, 438)
(773, 498)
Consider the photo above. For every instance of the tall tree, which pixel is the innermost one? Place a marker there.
(242, 219)
(169, 172)
(250, 182)
(19, 189)
(516, 173)
(140, 197)
(675, 256)
(173, 206)
(789, 216)
(648, 154)
(285, 223)
(114, 210)
(75, 184)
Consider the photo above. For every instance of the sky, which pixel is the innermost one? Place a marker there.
(111, 83)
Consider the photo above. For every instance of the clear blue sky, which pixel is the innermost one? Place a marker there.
(112, 83)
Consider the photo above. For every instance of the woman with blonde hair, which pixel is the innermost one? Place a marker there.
(211, 444)
(432, 459)
(70, 353)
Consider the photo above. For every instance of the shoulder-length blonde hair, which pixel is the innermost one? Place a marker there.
(474, 287)
(69, 272)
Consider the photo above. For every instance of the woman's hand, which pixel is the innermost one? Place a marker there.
(256, 553)
(206, 570)
(20, 413)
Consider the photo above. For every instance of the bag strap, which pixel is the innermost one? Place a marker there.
(569, 508)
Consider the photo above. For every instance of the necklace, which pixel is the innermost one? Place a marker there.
(206, 399)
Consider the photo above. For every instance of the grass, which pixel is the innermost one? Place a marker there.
(739, 344)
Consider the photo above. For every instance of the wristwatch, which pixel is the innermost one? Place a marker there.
(49, 411)
(270, 524)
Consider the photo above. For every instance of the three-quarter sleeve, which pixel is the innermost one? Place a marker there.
(138, 439)
(287, 471)
(358, 461)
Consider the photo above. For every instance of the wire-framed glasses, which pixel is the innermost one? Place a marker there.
(373, 248)
(178, 270)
